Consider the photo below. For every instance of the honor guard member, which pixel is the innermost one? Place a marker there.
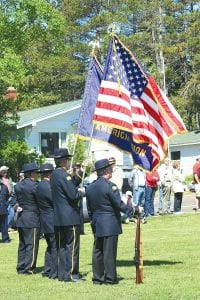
(104, 205)
(66, 196)
(28, 222)
(45, 203)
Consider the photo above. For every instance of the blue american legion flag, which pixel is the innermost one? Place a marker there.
(139, 116)
(93, 81)
(120, 138)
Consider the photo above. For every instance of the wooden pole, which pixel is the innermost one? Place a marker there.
(139, 254)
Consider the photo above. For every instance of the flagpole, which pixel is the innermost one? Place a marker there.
(87, 155)
(73, 152)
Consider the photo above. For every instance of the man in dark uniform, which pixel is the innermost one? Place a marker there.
(66, 196)
(44, 198)
(4, 196)
(104, 205)
(28, 222)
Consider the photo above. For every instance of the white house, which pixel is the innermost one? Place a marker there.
(186, 148)
(50, 127)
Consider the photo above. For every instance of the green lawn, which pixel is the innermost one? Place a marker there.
(171, 246)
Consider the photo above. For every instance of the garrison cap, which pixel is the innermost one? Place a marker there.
(61, 152)
(102, 163)
(29, 167)
(46, 167)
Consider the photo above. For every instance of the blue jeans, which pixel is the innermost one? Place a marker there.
(164, 203)
(160, 198)
(4, 227)
(149, 201)
(11, 214)
(139, 197)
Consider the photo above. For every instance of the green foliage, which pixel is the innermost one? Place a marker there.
(15, 153)
(44, 47)
(188, 179)
(80, 149)
(8, 119)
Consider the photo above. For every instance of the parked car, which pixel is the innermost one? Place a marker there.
(191, 187)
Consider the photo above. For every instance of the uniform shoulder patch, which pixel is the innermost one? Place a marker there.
(68, 178)
(114, 187)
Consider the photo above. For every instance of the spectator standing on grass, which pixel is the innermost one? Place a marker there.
(196, 174)
(9, 183)
(137, 180)
(28, 222)
(165, 174)
(177, 187)
(4, 195)
(45, 203)
(152, 180)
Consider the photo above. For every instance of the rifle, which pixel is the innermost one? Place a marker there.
(138, 254)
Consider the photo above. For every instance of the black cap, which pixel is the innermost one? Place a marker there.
(61, 152)
(29, 167)
(102, 163)
(46, 167)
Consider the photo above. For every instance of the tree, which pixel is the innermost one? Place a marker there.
(15, 153)
(44, 46)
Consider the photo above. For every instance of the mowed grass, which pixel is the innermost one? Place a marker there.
(171, 246)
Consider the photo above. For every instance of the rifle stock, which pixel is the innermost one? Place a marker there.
(138, 254)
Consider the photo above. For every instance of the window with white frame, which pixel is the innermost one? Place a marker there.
(52, 140)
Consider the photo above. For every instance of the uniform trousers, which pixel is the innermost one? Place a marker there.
(68, 244)
(51, 257)
(104, 259)
(4, 228)
(28, 249)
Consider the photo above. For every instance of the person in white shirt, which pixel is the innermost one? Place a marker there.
(117, 174)
(177, 187)
(165, 174)
(137, 180)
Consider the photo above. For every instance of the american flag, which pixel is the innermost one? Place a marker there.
(130, 99)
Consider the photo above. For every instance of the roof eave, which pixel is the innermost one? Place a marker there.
(34, 122)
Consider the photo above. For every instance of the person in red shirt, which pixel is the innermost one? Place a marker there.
(196, 173)
(151, 187)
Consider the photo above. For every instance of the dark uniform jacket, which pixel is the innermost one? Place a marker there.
(104, 205)
(66, 198)
(26, 198)
(45, 203)
(4, 195)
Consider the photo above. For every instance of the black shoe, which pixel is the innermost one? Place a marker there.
(53, 277)
(111, 282)
(45, 275)
(73, 280)
(97, 282)
(7, 241)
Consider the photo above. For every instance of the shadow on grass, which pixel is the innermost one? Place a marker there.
(130, 263)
